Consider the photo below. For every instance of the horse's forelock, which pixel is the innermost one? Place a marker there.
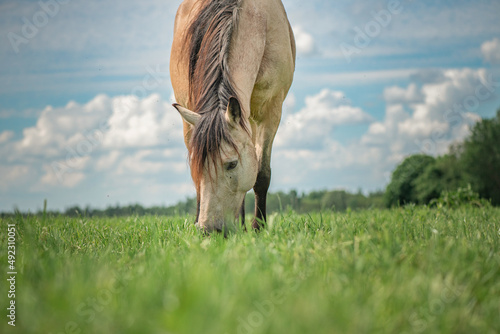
(206, 145)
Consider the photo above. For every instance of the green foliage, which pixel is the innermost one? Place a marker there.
(402, 188)
(405, 270)
(336, 200)
(420, 179)
(461, 197)
(481, 158)
(444, 174)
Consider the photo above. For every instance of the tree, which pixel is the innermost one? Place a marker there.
(444, 174)
(402, 188)
(481, 158)
(336, 199)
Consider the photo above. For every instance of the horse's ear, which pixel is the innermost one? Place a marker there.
(189, 116)
(233, 113)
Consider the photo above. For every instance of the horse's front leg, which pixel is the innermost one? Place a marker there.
(242, 214)
(264, 135)
(261, 187)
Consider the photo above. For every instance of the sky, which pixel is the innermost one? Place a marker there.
(85, 96)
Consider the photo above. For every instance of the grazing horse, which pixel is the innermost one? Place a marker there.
(231, 66)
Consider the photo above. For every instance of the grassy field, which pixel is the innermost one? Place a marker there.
(407, 270)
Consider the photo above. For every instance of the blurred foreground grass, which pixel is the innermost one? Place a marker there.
(407, 270)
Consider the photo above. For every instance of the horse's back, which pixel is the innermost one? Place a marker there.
(262, 56)
(277, 65)
(264, 36)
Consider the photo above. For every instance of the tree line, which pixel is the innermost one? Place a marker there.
(475, 163)
(337, 200)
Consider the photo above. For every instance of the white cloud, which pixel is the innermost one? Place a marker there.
(142, 162)
(305, 44)
(63, 173)
(6, 136)
(57, 129)
(50, 179)
(290, 102)
(381, 133)
(122, 140)
(491, 51)
(428, 119)
(142, 123)
(108, 161)
(312, 126)
(400, 95)
(13, 176)
(418, 119)
(103, 123)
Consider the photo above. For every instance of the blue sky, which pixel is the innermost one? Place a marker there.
(85, 96)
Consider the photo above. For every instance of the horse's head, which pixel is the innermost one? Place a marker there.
(223, 163)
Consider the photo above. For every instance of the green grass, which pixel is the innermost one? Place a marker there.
(408, 270)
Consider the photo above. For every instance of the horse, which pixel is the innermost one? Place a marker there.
(231, 66)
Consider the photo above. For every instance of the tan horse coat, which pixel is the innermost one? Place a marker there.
(261, 62)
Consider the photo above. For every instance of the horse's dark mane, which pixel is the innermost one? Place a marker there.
(210, 85)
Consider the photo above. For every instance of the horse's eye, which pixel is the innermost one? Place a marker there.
(232, 165)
